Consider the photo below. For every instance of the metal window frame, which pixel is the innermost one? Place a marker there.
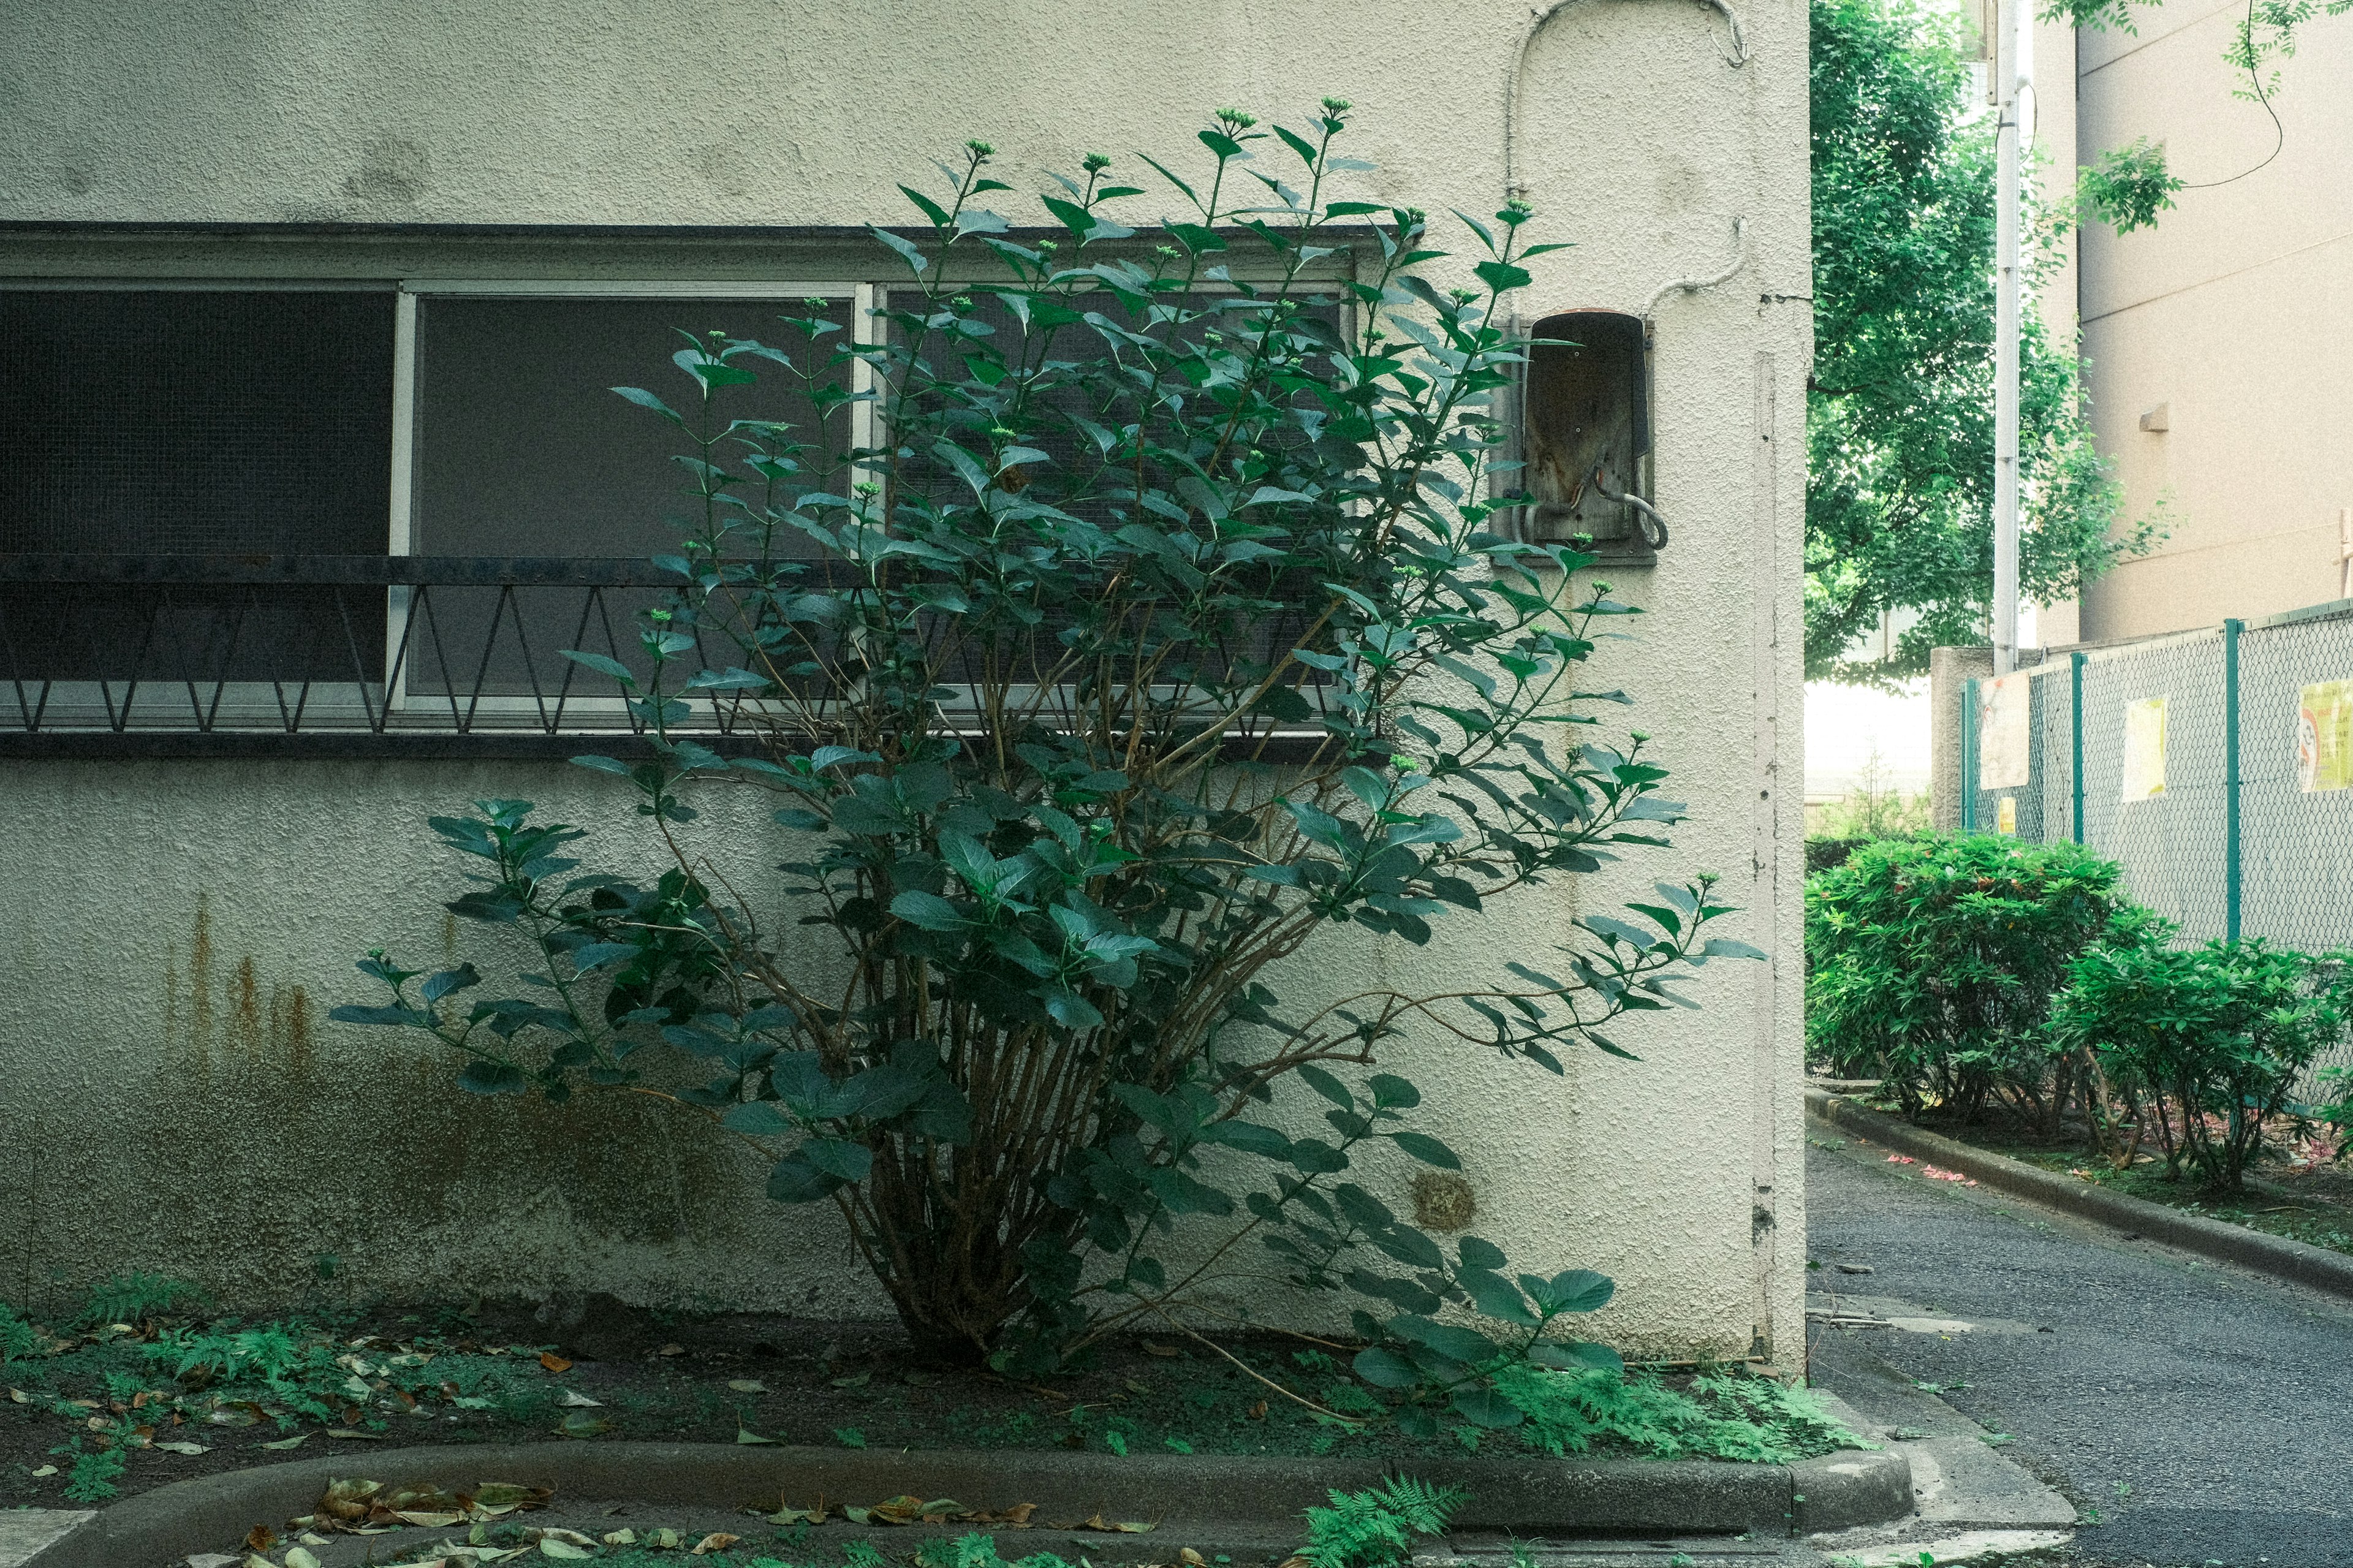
(869, 300)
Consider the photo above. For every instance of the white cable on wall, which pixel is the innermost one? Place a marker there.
(1538, 16)
(1694, 285)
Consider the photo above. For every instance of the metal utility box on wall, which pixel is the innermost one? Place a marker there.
(1585, 435)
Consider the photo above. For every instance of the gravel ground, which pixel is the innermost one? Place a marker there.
(2202, 1414)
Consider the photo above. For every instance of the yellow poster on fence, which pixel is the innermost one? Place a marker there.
(2144, 749)
(2324, 736)
(2005, 815)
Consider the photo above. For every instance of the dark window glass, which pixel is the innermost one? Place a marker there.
(1587, 410)
(193, 422)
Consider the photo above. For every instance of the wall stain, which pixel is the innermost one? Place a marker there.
(200, 980)
(393, 172)
(288, 1144)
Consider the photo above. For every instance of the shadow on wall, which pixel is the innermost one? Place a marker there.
(271, 1166)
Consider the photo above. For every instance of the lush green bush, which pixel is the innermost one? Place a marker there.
(2203, 1045)
(1146, 500)
(1931, 963)
(1827, 853)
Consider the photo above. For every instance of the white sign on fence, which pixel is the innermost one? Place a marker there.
(2144, 777)
(2005, 738)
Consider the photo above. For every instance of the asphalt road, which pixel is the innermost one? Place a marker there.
(2206, 1414)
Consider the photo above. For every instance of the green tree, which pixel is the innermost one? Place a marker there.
(1899, 412)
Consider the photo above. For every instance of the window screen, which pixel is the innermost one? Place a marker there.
(524, 449)
(192, 422)
(1587, 409)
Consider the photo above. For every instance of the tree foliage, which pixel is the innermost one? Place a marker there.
(1147, 508)
(1899, 412)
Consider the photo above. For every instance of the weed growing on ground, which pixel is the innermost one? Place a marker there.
(1375, 1528)
(137, 1298)
(18, 1339)
(92, 1474)
(1725, 1416)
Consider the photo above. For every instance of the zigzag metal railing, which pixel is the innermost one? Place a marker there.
(369, 656)
(402, 641)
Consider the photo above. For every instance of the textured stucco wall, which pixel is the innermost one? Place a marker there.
(168, 1123)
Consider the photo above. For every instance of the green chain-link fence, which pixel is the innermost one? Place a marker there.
(2232, 811)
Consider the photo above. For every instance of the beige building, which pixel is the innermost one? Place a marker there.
(2220, 344)
(346, 278)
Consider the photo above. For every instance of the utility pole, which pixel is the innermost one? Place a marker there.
(2009, 76)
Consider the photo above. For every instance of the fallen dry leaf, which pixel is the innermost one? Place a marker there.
(746, 1385)
(1191, 1558)
(283, 1443)
(581, 1401)
(507, 1496)
(18, 1396)
(1151, 1349)
(1018, 1516)
(580, 1424)
(354, 1435)
(181, 1447)
(46, 1470)
(557, 1533)
(552, 1361)
(260, 1538)
(425, 1519)
(672, 1350)
(301, 1557)
(718, 1540)
(623, 1537)
(1258, 1411)
(745, 1435)
(1118, 1526)
(549, 1547)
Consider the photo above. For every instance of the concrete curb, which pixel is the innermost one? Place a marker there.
(2274, 1255)
(1522, 1495)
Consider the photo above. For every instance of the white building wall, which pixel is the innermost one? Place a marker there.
(167, 1081)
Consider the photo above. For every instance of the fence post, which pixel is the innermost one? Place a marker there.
(2231, 630)
(2075, 740)
(1969, 757)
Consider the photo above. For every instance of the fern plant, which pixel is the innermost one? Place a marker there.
(18, 1339)
(1375, 1528)
(135, 1298)
(92, 1476)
